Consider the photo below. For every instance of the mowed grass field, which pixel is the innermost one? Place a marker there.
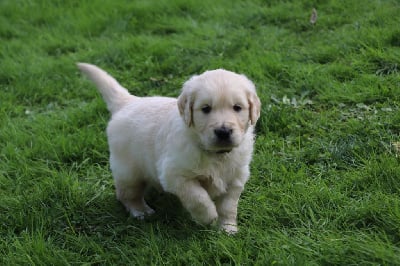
(325, 182)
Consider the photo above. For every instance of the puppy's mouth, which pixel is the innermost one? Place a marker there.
(220, 149)
(217, 150)
(221, 143)
(224, 151)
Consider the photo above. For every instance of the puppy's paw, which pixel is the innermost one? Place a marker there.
(141, 214)
(230, 229)
(207, 216)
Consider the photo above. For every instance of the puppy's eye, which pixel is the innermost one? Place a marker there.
(237, 108)
(206, 109)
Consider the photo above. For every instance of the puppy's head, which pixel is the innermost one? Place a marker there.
(220, 106)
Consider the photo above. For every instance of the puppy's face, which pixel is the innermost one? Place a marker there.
(220, 106)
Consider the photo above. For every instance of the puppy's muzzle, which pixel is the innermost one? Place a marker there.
(223, 135)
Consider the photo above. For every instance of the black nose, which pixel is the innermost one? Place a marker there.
(223, 133)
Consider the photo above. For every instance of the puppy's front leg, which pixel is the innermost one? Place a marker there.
(227, 209)
(196, 200)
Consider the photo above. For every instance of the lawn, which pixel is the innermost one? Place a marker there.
(325, 182)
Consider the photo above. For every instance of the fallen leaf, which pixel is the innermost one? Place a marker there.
(314, 16)
(396, 147)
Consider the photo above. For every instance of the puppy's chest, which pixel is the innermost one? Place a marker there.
(216, 179)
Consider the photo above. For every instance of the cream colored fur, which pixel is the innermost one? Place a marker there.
(197, 147)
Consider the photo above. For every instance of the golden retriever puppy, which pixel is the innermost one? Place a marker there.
(197, 147)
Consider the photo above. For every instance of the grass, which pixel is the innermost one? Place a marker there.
(325, 181)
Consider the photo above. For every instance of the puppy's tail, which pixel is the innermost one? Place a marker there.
(113, 93)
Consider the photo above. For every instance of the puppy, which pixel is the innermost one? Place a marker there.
(197, 147)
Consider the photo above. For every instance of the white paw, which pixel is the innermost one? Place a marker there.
(230, 229)
(206, 217)
(141, 214)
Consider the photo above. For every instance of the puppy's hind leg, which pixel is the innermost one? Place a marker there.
(132, 196)
(130, 190)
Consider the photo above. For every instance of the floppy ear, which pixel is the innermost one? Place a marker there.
(185, 106)
(254, 101)
(254, 105)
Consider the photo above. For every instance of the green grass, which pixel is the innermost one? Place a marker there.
(325, 184)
